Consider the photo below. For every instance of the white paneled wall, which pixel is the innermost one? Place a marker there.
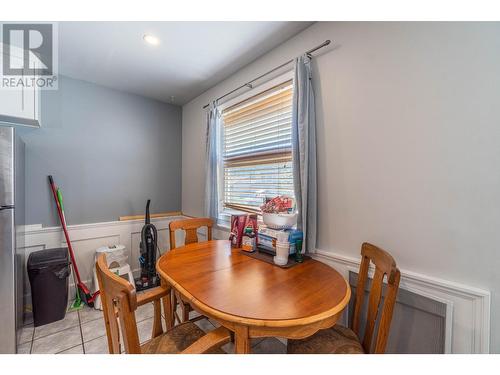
(86, 238)
(468, 308)
(467, 312)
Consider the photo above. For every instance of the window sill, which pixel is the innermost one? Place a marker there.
(223, 227)
(223, 223)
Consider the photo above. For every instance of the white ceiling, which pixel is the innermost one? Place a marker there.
(191, 56)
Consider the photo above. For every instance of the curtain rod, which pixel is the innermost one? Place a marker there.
(249, 83)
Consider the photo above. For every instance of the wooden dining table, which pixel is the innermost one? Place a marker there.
(253, 298)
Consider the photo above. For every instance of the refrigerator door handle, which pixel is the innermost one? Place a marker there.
(9, 207)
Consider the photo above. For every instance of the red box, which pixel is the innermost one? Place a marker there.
(238, 225)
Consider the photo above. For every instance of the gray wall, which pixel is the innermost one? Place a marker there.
(408, 120)
(109, 151)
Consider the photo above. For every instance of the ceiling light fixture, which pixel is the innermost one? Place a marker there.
(150, 39)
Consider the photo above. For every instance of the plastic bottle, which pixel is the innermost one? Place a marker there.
(248, 241)
(298, 251)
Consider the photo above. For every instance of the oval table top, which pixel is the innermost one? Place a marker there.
(229, 284)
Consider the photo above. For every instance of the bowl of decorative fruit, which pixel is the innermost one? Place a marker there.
(279, 213)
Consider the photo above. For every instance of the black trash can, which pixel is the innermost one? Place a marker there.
(48, 271)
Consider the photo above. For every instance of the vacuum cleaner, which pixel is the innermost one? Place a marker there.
(147, 259)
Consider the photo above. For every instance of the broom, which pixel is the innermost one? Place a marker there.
(77, 303)
(82, 292)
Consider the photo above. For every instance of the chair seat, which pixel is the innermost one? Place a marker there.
(176, 340)
(335, 340)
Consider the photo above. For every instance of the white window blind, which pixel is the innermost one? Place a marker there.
(257, 149)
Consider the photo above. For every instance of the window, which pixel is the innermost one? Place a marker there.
(257, 149)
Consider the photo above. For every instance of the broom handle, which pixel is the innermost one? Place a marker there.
(65, 230)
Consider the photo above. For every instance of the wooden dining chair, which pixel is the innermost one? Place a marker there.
(343, 340)
(119, 302)
(190, 227)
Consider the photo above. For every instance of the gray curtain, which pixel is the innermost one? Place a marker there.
(304, 151)
(212, 157)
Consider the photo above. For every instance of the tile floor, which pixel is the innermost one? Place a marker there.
(83, 332)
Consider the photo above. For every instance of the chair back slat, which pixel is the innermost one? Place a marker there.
(190, 227)
(385, 268)
(360, 294)
(119, 302)
(385, 320)
(373, 307)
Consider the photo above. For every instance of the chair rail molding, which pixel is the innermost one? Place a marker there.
(467, 312)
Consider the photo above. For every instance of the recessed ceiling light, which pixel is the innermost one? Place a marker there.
(150, 39)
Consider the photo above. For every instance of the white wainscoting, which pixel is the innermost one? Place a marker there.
(468, 308)
(86, 238)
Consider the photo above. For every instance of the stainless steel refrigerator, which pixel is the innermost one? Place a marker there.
(11, 237)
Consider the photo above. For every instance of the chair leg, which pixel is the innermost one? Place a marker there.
(174, 307)
(157, 328)
(167, 308)
(185, 311)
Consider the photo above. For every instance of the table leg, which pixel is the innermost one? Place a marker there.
(241, 340)
(167, 306)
